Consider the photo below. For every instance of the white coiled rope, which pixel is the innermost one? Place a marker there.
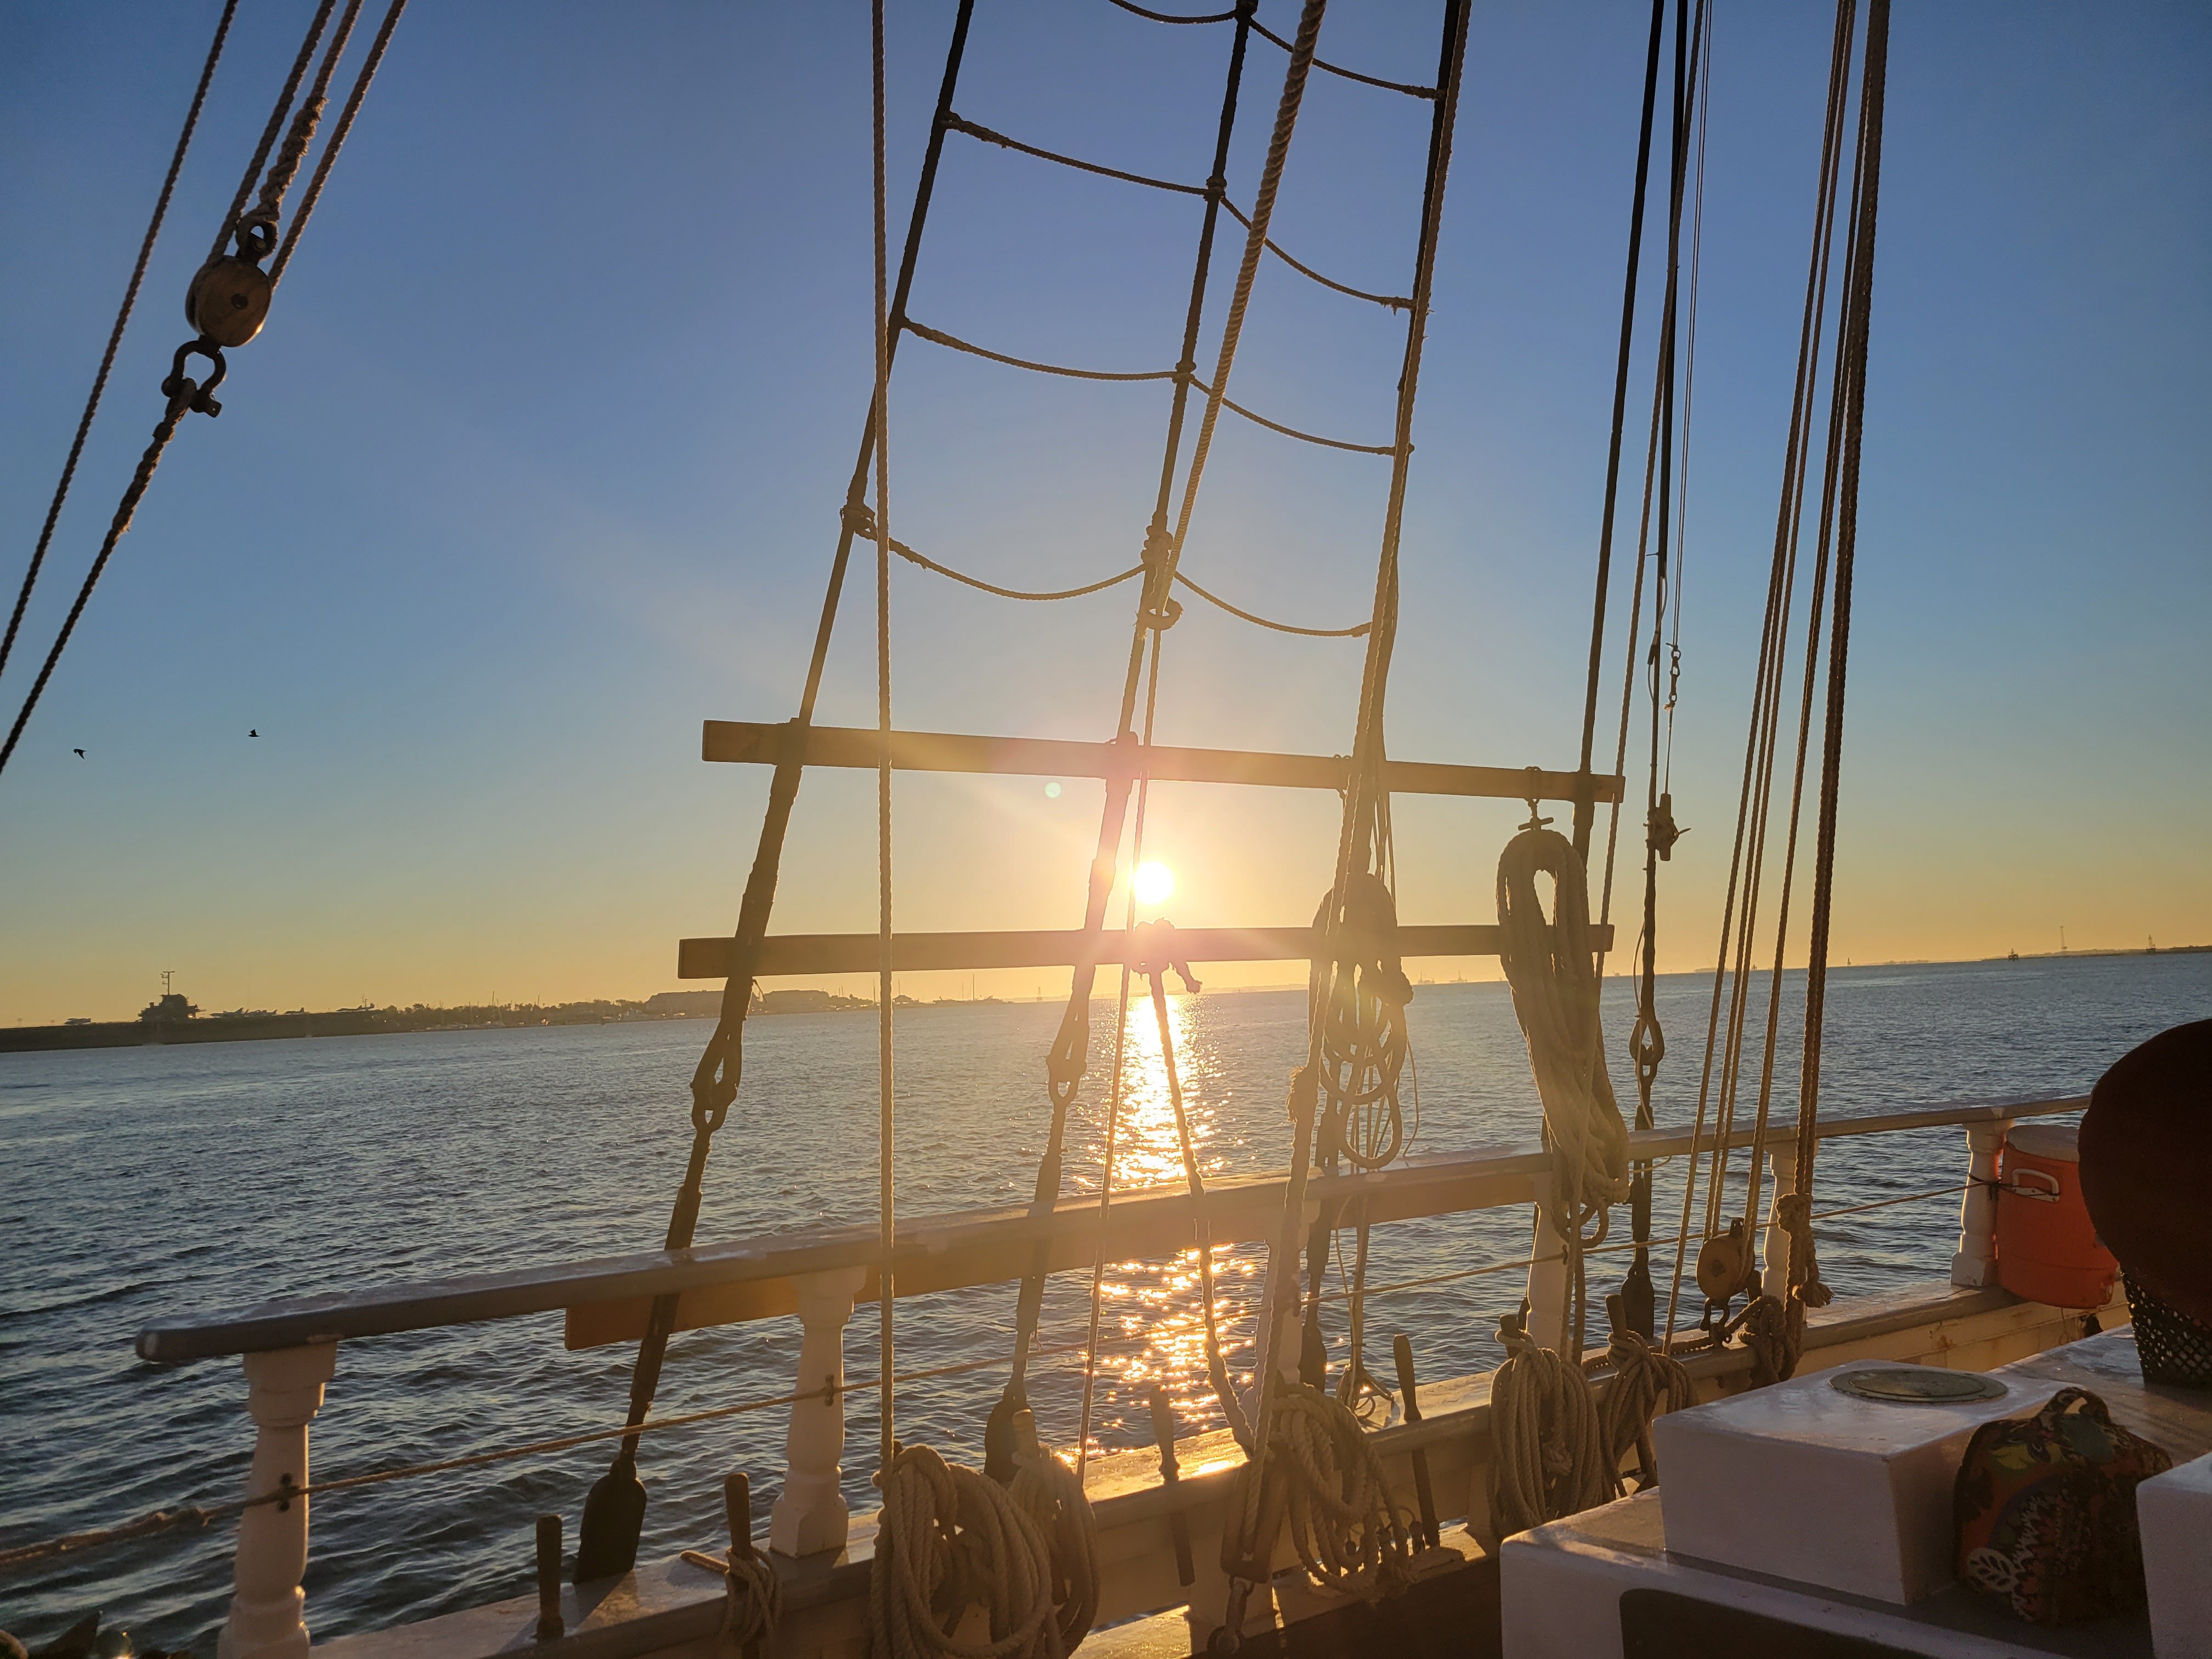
(1554, 976)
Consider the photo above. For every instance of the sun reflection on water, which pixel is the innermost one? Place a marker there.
(1152, 1326)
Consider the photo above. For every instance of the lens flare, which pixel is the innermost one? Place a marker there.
(1153, 882)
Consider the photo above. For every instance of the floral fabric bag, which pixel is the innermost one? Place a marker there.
(2045, 1510)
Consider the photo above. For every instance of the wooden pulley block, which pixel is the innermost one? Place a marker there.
(1725, 1267)
(228, 300)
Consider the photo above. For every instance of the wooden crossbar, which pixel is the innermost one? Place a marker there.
(1055, 757)
(913, 953)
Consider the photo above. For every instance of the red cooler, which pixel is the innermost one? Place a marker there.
(2047, 1247)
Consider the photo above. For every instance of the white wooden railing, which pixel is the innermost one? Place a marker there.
(291, 1348)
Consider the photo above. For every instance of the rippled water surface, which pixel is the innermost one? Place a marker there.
(140, 1183)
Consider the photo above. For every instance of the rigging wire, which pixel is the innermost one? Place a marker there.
(879, 408)
(115, 334)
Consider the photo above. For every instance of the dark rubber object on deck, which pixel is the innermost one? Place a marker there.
(2146, 1151)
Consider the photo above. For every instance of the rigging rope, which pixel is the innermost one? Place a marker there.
(937, 337)
(115, 334)
(1265, 32)
(1363, 836)
(1209, 191)
(879, 408)
(615, 1511)
(1068, 1059)
(1211, 598)
(1747, 851)
(239, 277)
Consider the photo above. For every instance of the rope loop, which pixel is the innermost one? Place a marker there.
(1359, 998)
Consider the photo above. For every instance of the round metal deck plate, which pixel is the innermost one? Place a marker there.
(1917, 1385)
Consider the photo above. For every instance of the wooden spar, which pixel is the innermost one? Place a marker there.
(937, 1252)
(855, 953)
(1054, 757)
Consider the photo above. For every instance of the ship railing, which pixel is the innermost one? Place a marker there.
(289, 1348)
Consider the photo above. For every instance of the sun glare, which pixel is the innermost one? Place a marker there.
(1153, 882)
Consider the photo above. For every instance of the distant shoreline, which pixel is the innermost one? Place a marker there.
(259, 1026)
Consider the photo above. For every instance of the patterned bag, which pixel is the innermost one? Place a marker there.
(2045, 1510)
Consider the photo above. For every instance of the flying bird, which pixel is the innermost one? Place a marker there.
(79, 753)
(254, 734)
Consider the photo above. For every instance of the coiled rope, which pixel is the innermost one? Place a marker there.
(952, 1538)
(1324, 1483)
(1645, 1383)
(1555, 999)
(752, 1599)
(1547, 1449)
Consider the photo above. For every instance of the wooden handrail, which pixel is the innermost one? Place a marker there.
(751, 1278)
(759, 743)
(1058, 947)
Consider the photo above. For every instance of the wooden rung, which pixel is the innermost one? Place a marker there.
(1056, 757)
(914, 953)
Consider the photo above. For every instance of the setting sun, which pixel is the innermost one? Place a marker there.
(1153, 882)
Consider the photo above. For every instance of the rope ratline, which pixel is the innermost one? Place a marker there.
(1266, 34)
(865, 528)
(953, 342)
(991, 136)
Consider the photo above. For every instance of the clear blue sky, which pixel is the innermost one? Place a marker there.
(537, 461)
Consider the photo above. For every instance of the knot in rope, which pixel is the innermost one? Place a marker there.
(752, 1598)
(1772, 1331)
(950, 1538)
(1358, 989)
(1325, 1484)
(1554, 978)
(1794, 1212)
(1645, 1383)
(1162, 609)
(1548, 1450)
(1155, 952)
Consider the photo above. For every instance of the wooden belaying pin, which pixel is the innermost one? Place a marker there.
(738, 1509)
(1163, 1428)
(550, 1624)
(1403, 1351)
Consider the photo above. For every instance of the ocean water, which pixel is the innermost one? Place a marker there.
(140, 1183)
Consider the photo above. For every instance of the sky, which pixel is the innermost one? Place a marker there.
(536, 464)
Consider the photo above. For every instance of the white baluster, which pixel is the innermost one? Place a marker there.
(810, 1514)
(1782, 1165)
(284, 1390)
(1548, 1286)
(1976, 1262)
